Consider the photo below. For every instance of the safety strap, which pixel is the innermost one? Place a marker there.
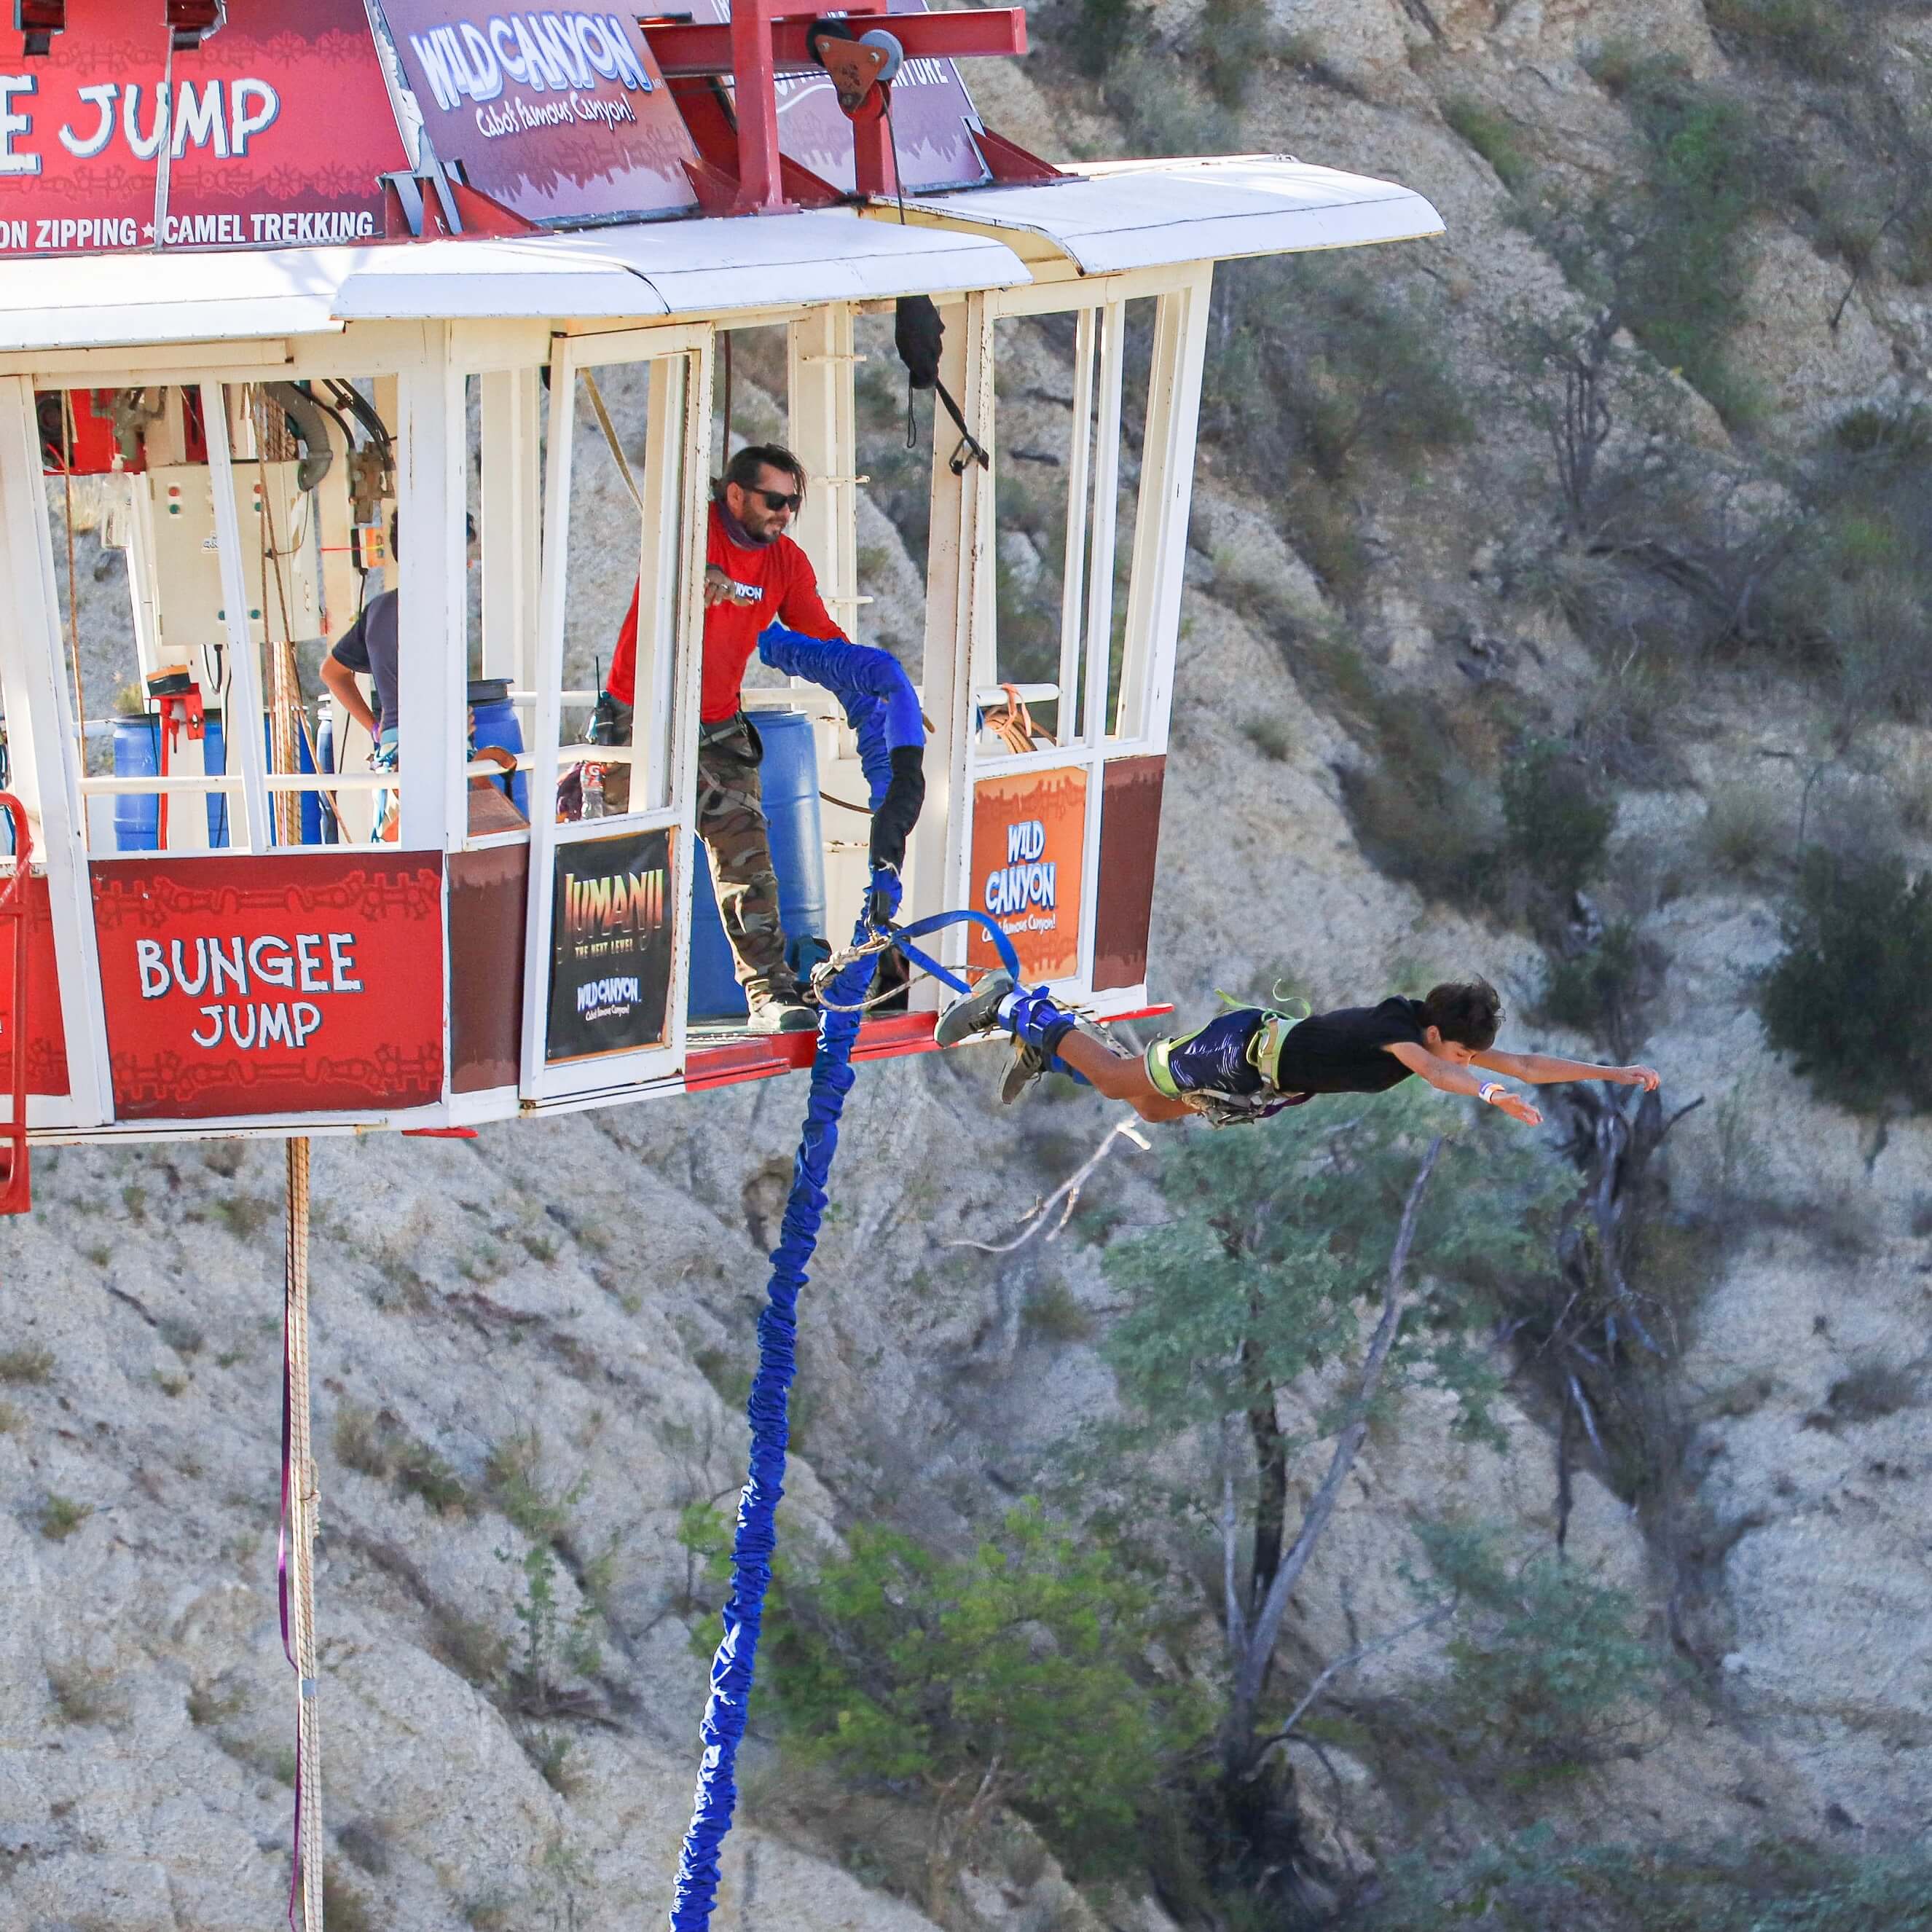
(970, 449)
(611, 437)
(1156, 1061)
(901, 937)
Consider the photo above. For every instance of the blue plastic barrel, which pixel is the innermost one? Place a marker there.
(493, 722)
(137, 749)
(789, 780)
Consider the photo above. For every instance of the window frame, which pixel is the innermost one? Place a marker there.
(679, 536)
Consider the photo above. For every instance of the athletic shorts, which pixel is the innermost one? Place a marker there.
(1212, 1059)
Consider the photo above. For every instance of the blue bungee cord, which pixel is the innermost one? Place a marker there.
(725, 1711)
(883, 712)
(731, 1670)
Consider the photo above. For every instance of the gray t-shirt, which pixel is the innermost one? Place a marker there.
(369, 646)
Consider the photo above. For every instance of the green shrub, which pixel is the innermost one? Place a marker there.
(1021, 1665)
(246, 1215)
(1531, 1883)
(1311, 362)
(551, 1752)
(19, 1367)
(380, 1446)
(1667, 251)
(1820, 39)
(1160, 112)
(513, 1471)
(1546, 1660)
(84, 1694)
(1851, 997)
(62, 1516)
(1098, 30)
(1053, 1313)
(1235, 38)
(1492, 136)
(1746, 828)
(1595, 992)
(1269, 736)
(1558, 814)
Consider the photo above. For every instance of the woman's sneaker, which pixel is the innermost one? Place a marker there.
(1029, 1062)
(978, 1012)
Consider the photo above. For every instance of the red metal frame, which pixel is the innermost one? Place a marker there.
(761, 42)
(892, 1037)
(16, 1191)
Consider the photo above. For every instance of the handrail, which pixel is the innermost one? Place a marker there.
(16, 1194)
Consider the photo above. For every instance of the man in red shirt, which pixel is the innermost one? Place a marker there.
(754, 575)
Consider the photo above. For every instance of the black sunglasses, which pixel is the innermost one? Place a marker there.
(776, 499)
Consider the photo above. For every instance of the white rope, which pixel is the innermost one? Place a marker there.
(303, 1498)
(611, 437)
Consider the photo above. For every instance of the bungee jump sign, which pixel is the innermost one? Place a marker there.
(298, 983)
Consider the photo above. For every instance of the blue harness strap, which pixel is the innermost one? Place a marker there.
(903, 935)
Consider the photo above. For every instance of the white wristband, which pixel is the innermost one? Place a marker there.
(1489, 1090)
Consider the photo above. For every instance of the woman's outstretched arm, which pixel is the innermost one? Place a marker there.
(1548, 1070)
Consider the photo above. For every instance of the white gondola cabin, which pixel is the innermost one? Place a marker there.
(274, 275)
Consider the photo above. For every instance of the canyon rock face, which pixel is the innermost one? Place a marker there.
(541, 1340)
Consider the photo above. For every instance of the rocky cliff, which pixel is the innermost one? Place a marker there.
(536, 1342)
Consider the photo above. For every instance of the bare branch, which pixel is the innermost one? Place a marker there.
(1237, 1617)
(1267, 1626)
(1359, 1654)
(1067, 1192)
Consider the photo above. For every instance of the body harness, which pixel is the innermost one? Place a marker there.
(1263, 1055)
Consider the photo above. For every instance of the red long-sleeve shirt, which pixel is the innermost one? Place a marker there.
(782, 571)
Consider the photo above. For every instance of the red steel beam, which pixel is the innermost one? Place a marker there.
(685, 48)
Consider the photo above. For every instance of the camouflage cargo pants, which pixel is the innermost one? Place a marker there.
(731, 822)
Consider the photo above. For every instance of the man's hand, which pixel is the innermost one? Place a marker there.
(898, 810)
(717, 586)
(1645, 1077)
(1517, 1109)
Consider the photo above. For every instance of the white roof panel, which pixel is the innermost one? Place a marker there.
(99, 301)
(1140, 214)
(705, 267)
(702, 267)
(480, 278)
(691, 268)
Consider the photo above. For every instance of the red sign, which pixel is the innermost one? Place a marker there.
(273, 130)
(1029, 841)
(560, 115)
(932, 114)
(301, 983)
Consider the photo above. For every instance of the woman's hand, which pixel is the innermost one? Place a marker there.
(1645, 1077)
(1517, 1109)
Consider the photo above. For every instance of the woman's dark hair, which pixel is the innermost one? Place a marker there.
(743, 468)
(1467, 1011)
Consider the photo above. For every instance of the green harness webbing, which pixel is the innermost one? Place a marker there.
(1264, 1044)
